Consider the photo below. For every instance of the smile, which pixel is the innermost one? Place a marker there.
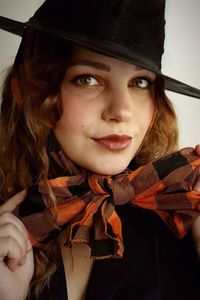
(114, 142)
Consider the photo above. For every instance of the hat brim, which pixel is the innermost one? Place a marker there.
(109, 49)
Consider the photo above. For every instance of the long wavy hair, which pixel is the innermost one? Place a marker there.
(30, 114)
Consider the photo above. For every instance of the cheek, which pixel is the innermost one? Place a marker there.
(146, 116)
(75, 115)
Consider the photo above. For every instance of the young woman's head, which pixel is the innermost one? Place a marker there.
(102, 110)
(107, 108)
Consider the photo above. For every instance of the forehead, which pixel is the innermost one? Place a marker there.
(86, 57)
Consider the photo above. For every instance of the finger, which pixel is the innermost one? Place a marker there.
(197, 185)
(187, 150)
(12, 203)
(9, 218)
(10, 252)
(197, 149)
(9, 230)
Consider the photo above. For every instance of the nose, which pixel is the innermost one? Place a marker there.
(118, 106)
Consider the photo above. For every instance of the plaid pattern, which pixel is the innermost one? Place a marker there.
(86, 201)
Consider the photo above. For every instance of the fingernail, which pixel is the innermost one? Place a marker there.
(23, 192)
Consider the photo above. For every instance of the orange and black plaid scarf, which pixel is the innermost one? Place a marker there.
(86, 201)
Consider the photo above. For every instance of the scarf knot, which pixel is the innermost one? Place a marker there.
(100, 184)
(118, 187)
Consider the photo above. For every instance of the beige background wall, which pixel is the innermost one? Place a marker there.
(181, 59)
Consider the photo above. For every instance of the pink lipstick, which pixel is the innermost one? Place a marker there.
(114, 142)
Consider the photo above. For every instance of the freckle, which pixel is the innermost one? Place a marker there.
(82, 126)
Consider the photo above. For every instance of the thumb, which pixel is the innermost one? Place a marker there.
(197, 149)
(197, 185)
(11, 204)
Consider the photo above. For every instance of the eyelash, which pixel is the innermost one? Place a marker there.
(85, 76)
(147, 79)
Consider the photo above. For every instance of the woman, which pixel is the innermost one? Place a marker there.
(79, 101)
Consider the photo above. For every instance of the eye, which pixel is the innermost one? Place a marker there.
(141, 83)
(86, 80)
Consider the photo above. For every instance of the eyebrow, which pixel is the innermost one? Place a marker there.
(90, 63)
(97, 65)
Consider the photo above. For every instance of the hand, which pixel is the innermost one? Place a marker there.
(196, 225)
(197, 149)
(16, 254)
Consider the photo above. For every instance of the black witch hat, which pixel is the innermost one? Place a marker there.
(131, 30)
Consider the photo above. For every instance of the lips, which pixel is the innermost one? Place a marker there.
(114, 142)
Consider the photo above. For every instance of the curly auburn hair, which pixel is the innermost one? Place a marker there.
(39, 69)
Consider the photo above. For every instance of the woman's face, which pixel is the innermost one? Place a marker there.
(107, 108)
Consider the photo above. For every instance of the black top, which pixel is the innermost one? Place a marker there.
(156, 265)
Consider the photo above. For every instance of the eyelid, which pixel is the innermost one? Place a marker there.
(150, 76)
(147, 78)
(75, 78)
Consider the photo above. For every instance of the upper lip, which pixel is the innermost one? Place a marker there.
(115, 138)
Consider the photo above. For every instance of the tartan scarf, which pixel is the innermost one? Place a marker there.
(86, 201)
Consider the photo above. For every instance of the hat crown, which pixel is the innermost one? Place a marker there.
(134, 24)
(130, 30)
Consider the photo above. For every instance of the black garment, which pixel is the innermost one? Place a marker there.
(156, 265)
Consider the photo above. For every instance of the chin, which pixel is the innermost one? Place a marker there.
(110, 170)
(104, 165)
